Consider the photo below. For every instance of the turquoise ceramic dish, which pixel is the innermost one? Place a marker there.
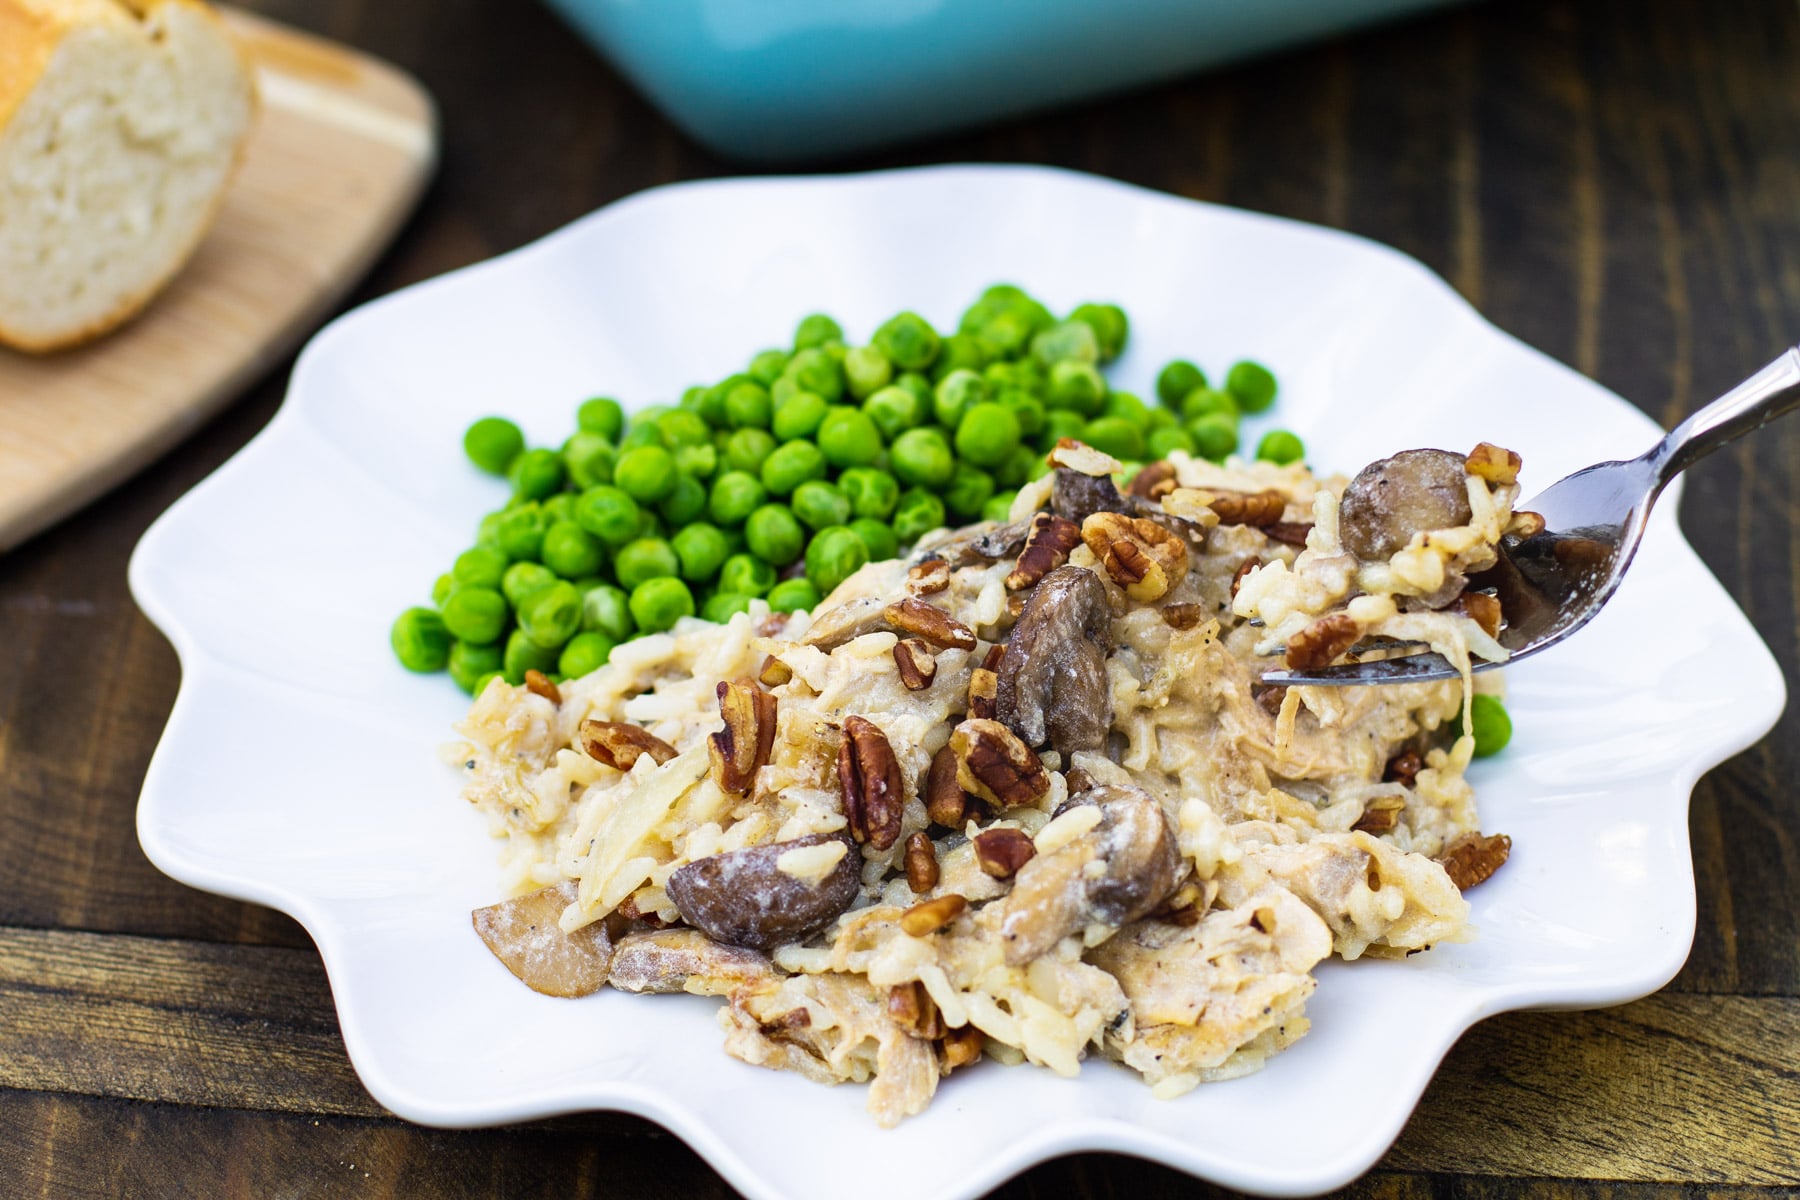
(800, 79)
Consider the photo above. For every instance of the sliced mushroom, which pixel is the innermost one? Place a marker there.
(1060, 893)
(745, 898)
(1076, 497)
(525, 934)
(684, 960)
(1053, 685)
(982, 543)
(1390, 500)
(844, 624)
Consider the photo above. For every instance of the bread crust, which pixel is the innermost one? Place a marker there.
(30, 33)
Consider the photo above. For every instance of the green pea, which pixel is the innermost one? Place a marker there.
(475, 614)
(683, 428)
(819, 504)
(1280, 446)
(1071, 341)
(602, 415)
(1062, 423)
(712, 400)
(849, 437)
(774, 535)
(701, 548)
(645, 559)
(766, 367)
(894, 410)
(1253, 385)
(571, 551)
(922, 458)
(585, 653)
(420, 641)
(609, 514)
(522, 655)
(1162, 442)
(647, 473)
(1110, 326)
(524, 578)
(442, 587)
(735, 495)
(1115, 436)
(686, 503)
(1007, 334)
(998, 506)
(746, 575)
(650, 525)
(1214, 436)
(1128, 407)
(656, 604)
(835, 554)
(815, 329)
(1156, 418)
(878, 536)
(470, 663)
(969, 489)
(492, 443)
(1208, 402)
(988, 432)
(536, 474)
(792, 464)
(1489, 721)
(720, 607)
(560, 507)
(604, 610)
(793, 595)
(1028, 410)
(640, 434)
(918, 513)
(747, 449)
(871, 493)
(799, 415)
(487, 533)
(481, 566)
(908, 340)
(693, 399)
(1020, 467)
(1176, 380)
(1025, 376)
(818, 372)
(866, 370)
(955, 394)
(550, 616)
(1076, 385)
(697, 461)
(747, 406)
(960, 352)
(520, 532)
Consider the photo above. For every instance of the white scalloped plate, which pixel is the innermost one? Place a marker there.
(299, 766)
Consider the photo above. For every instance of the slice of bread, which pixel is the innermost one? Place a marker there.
(120, 124)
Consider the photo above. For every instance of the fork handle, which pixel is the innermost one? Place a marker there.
(1750, 405)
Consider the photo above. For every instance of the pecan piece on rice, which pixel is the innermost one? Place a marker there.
(1473, 857)
(928, 916)
(620, 744)
(928, 577)
(1481, 608)
(1001, 852)
(1141, 556)
(870, 778)
(916, 664)
(1249, 508)
(1321, 642)
(945, 801)
(930, 623)
(1047, 547)
(913, 1009)
(1154, 480)
(922, 872)
(1182, 616)
(995, 765)
(1492, 463)
(539, 684)
(743, 747)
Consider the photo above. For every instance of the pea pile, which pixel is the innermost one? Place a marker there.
(782, 480)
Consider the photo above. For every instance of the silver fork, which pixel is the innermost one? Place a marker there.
(1552, 583)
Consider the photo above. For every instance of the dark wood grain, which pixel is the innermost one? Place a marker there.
(1616, 182)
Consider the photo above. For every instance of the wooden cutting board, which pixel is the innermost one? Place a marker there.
(340, 153)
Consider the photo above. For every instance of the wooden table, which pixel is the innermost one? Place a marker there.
(1615, 182)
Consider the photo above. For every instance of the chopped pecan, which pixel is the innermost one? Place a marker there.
(1186, 907)
(913, 1009)
(916, 663)
(1322, 641)
(994, 764)
(1493, 463)
(1154, 480)
(945, 801)
(538, 684)
(1403, 768)
(921, 863)
(933, 624)
(928, 577)
(1001, 852)
(1481, 608)
(984, 685)
(774, 672)
(1047, 547)
(928, 916)
(619, 744)
(1473, 857)
(1381, 814)
(961, 1047)
(1081, 457)
(1268, 696)
(996, 654)
(1141, 556)
(772, 624)
(743, 747)
(870, 777)
(1182, 616)
(1243, 573)
(1249, 508)
(1292, 533)
(1525, 525)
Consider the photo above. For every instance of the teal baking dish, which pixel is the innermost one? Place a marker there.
(788, 80)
